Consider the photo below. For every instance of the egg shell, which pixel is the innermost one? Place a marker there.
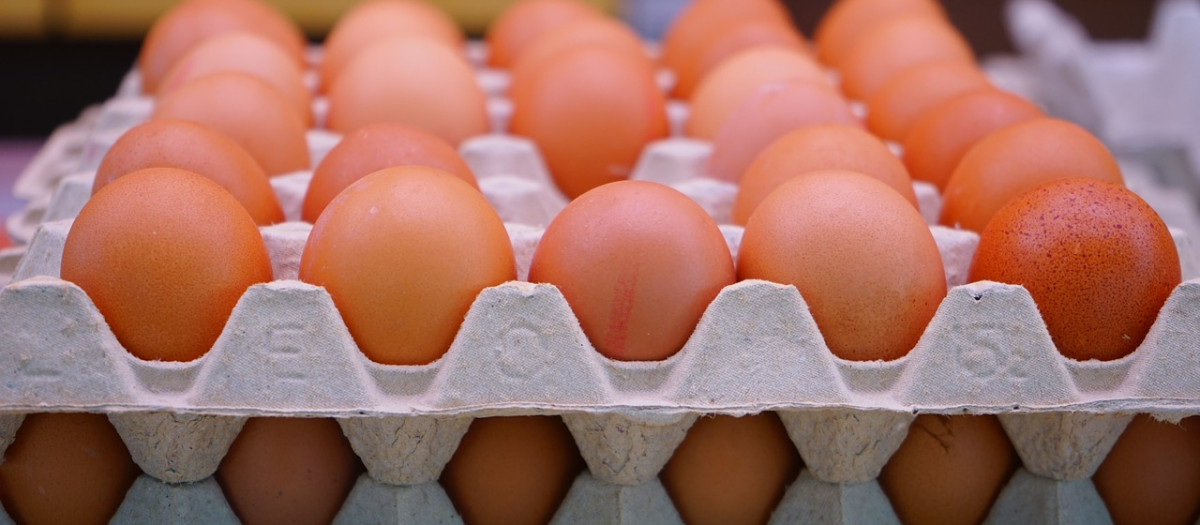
(695, 24)
(1152, 472)
(583, 31)
(845, 20)
(523, 22)
(732, 37)
(890, 47)
(899, 103)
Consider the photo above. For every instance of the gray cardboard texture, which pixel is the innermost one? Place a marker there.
(152, 502)
(809, 500)
(1033, 499)
(374, 503)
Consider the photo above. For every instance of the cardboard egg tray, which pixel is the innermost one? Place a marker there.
(285, 351)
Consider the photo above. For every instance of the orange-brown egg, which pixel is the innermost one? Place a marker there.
(288, 470)
(1152, 474)
(512, 470)
(621, 254)
(193, 21)
(887, 48)
(818, 148)
(372, 148)
(65, 468)
(769, 113)
(374, 20)
(899, 103)
(248, 53)
(249, 111)
(590, 110)
(732, 38)
(731, 469)
(847, 20)
(165, 254)
(949, 470)
(174, 143)
(403, 252)
(940, 138)
(525, 21)
(597, 30)
(860, 255)
(1016, 159)
(411, 80)
(1096, 259)
(740, 76)
(696, 23)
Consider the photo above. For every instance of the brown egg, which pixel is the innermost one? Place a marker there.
(887, 48)
(769, 113)
(523, 22)
(1152, 474)
(249, 111)
(410, 80)
(403, 252)
(1097, 260)
(731, 469)
(621, 254)
(860, 255)
(65, 468)
(165, 254)
(818, 148)
(1014, 160)
(732, 38)
(193, 21)
(375, 147)
(698, 21)
(512, 470)
(590, 110)
(847, 20)
(174, 143)
(949, 470)
(940, 138)
(899, 103)
(369, 22)
(727, 86)
(288, 470)
(249, 53)
(592, 30)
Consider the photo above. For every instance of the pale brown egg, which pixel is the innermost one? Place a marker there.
(731, 469)
(165, 254)
(410, 80)
(847, 20)
(65, 468)
(248, 53)
(192, 21)
(899, 103)
(1152, 473)
(174, 143)
(732, 38)
(860, 255)
(887, 48)
(374, 20)
(523, 22)
(695, 24)
(247, 110)
(373, 148)
(597, 30)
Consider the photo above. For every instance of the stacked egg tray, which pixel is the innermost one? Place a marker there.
(285, 351)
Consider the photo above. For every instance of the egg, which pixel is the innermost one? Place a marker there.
(899, 103)
(1152, 474)
(1096, 259)
(861, 256)
(590, 110)
(288, 470)
(65, 468)
(248, 53)
(818, 148)
(375, 147)
(949, 470)
(369, 22)
(249, 111)
(592, 30)
(410, 80)
(1016, 159)
(192, 21)
(727, 86)
(165, 254)
(513, 469)
(769, 113)
(174, 143)
(731, 38)
(890, 47)
(403, 252)
(523, 22)
(846, 20)
(731, 469)
(638, 263)
(938, 140)
(697, 22)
